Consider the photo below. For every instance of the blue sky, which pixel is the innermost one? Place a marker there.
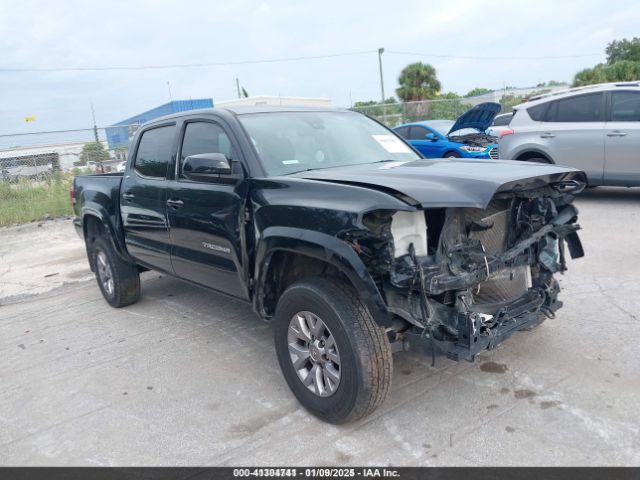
(86, 33)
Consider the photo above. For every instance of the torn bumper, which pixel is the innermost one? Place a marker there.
(478, 331)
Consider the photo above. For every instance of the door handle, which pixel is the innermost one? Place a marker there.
(174, 203)
(128, 196)
(616, 133)
(547, 135)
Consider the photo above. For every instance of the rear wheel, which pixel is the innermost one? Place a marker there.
(119, 281)
(452, 155)
(335, 358)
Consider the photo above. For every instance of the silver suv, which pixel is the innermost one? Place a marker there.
(595, 129)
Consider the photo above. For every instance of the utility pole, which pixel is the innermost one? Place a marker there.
(95, 134)
(95, 127)
(384, 112)
(238, 87)
(380, 52)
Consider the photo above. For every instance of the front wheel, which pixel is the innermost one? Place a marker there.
(118, 280)
(452, 155)
(336, 360)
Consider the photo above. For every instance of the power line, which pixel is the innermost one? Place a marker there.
(72, 130)
(180, 65)
(285, 59)
(477, 57)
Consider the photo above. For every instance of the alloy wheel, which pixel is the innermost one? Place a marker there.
(314, 353)
(104, 272)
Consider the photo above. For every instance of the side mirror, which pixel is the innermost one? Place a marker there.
(206, 167)
(432, 137)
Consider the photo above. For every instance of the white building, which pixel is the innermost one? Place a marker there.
(275, 102)
(68, 153)
(497, 95)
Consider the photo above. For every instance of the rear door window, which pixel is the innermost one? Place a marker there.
(625, 107)
(537, 113)
(154, 152)
(502, 120)
(581, 108)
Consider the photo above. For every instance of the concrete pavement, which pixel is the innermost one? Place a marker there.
(189, 377)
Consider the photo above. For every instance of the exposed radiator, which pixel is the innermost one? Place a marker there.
(509, 283)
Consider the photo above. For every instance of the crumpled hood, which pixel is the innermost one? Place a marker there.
(479, 117)
(433, 183)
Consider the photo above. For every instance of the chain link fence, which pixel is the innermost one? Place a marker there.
(37, 168)
(38, 156)
(394, 114)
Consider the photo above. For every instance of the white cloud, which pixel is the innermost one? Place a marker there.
(80, 33)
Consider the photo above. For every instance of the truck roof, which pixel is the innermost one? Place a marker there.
(241, 110)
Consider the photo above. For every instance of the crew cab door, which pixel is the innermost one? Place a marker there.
(622, 139)
(143, 198)
(573, 133)
(206, 218)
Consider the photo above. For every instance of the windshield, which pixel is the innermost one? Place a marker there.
(289, 142)
(441, 126)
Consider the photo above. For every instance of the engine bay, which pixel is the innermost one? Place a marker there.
(460, 280)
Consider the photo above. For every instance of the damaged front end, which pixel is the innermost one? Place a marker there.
(461, 280)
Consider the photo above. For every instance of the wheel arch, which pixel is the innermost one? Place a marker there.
(95, 223)
(530, 153)
(285, 255)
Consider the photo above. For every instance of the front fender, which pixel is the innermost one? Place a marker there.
(323, 247)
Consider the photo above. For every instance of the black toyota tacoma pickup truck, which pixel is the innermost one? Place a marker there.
(338, 233)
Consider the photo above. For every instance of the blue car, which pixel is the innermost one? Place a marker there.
(463, 138)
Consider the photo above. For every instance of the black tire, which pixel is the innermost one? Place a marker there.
(452, 155)
(125, 288)
(366, 362)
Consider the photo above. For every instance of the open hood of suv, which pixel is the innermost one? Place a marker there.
(446, 183)
(479, 117)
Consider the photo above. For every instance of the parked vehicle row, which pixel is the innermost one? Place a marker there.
(338, 233)
(465, 137)
(594, 128)
(500, 125)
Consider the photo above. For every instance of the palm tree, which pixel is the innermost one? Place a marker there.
(417, 81)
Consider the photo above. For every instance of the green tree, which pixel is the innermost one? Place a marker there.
(624, 49)
(93, 152)
(620, 71)
(371, 103)
(551, 83)
(477, 91)
(623, 64)
(417, 81)
(507, 102)
(389, 111)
